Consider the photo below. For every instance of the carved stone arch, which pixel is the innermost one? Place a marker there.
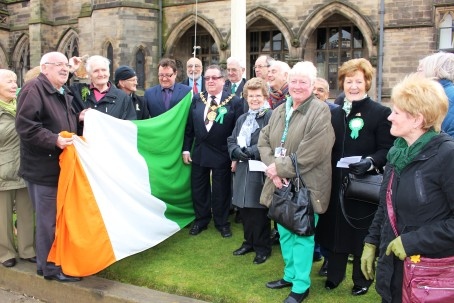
(337, 7)
(260, 12)
(69, 43)
(187, 23)
(4, 63)
(20, 61)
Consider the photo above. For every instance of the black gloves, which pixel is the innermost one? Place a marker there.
(239, 155)
(361, 167)
(249, 152)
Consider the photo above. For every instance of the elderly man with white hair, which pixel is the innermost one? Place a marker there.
(235, 71)
(277, 79)
(100, 94)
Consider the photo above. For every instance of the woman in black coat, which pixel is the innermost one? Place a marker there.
(419, 171)
(247, 185)
(363, 130)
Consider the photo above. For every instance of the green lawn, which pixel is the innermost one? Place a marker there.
(204, 268)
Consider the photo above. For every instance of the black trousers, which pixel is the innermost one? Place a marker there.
(257, 229)
(211, 197)
(337, 266)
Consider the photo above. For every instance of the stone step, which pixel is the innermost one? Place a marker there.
(22, 278)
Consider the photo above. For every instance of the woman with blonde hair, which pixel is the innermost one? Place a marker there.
(247, 185)
(419, 175)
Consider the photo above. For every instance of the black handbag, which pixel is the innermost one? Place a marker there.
(364, 188)
(361, 189)
(291, 206)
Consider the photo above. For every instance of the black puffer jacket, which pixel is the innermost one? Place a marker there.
(423, 202)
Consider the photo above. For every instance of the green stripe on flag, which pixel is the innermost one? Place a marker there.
(160, 142)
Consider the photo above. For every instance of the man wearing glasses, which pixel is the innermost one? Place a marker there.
(44, 109)
(126, 80)
(211, 120)
(194, 80)
(261, 66)
(162, 97)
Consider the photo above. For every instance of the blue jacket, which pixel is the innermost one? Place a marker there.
(448, 123)
(155, 103)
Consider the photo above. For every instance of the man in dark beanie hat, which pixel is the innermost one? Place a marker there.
(126, 80)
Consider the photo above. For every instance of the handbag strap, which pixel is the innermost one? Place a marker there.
(389, 204)
(298, 177)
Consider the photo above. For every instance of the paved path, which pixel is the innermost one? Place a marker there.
(8, 296)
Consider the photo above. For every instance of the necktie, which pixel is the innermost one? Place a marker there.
(194, 88)
(212, 104)
(233, 88)
(166, 98)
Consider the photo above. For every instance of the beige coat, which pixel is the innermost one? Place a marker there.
(311, 137)
(9, 153)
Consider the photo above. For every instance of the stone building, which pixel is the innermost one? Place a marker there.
(139, 32)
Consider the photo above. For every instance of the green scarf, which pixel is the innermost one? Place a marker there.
(9, 107)
(401, 154)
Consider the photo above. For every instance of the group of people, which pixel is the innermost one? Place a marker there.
(282, 111)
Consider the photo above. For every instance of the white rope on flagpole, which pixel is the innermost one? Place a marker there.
(195, 47)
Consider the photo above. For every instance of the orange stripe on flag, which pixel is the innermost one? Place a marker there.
(82, 246)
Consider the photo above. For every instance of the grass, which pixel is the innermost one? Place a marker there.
(203, 267)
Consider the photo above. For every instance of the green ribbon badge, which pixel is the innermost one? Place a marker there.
(355, 125)
(221, 112)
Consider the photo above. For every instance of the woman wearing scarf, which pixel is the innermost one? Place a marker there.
(12, 188)
(420, 172)
(362, 130)
(302, 125)
(247, 185)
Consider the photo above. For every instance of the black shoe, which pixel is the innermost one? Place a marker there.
(359, 290)
(330, 285)
(61, 277)
(259, 259)
(31, 260)
(278, 284)
(317, 257)
(275, 237)
(294, 297)
(39, 272)
(324, 269)
(225, 232)
(9, 262)
(243, 250)
(196, 229)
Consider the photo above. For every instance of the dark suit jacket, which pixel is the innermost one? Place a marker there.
(238, 92)
(155, 103)
(210, 148)
(186, 82)
(239, 89)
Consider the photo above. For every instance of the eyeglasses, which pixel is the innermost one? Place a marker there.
(233, 70)
(131, 80)
(59, 64)
(214, 78)
(195, 66)
(260, 66)
(165, 75)
(254, 97)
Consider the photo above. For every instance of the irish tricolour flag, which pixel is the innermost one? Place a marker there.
(123, 188)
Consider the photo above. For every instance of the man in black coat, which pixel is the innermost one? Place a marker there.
(126, 80)
(211, 120)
